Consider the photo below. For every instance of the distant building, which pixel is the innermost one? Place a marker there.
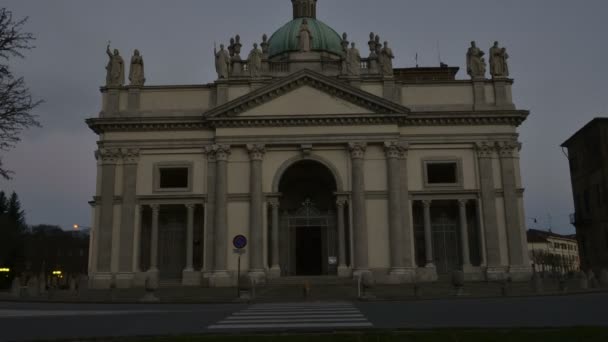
(588, 156)
(553, 253)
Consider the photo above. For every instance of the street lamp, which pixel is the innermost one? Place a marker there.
(79, 226)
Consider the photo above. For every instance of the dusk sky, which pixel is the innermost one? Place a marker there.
(558, 60)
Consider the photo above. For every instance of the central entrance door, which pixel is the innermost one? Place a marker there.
(309, 251)
(172, 242)
(308, 244)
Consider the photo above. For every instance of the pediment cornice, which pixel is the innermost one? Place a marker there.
(510, 118)
(312, 79)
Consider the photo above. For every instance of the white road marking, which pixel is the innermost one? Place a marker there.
(297, 315)
(66, 313)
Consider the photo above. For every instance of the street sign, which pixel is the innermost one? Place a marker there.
(239, 242)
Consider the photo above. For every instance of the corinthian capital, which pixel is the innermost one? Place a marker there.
(130, 155)
(211, 152)
(108, 155)
(256, 151)
(508, 149)
(222, 152)
(357, 150)
(395, 149)
(485, 149)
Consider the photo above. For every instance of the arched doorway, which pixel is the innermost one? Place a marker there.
(308, 235)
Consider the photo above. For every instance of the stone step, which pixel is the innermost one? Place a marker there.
(317, 280)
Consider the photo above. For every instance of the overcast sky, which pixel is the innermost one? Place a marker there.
(558, 50)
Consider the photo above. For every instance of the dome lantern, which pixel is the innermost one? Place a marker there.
(304, 9)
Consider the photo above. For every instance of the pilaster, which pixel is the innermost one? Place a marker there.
(221, 277)
(357, 153)
(485, 154)
(256, 154)
(133, 100)
(130, 158)
(209, 240)
(518, 255)
(108, 159)
(398, 270)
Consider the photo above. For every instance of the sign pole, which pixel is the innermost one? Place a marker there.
(238, 278)
(239, 242)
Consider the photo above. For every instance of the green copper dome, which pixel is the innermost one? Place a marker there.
(285, 39)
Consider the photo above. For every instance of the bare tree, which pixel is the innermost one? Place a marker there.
(16, 102)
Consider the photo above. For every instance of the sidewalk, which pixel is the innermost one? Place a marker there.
(291, 293)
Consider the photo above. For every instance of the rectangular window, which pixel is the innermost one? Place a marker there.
(442, 173)
(173, 177)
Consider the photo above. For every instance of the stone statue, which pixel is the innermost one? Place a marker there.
(386, 60)
(136, 74)
(237, 48)
(231, 48)
(372, 45)
(498, 61)
(344, 42)
(115, 69)
(476, 64)
(353, 61)
(378, 45)
(264, 45)
(305, 37)
(222, 62)
(254, 61)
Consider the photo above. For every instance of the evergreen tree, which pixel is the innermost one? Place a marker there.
(12, 232)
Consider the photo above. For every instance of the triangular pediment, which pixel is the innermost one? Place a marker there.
(306, 93)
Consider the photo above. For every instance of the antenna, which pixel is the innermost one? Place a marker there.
(416, 59)
(439, 54)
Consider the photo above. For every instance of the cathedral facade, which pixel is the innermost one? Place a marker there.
(328, 159)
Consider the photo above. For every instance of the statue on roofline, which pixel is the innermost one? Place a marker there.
(476, 64)
(498, 62)
(136, 73)
(222, 62)
(115, 76)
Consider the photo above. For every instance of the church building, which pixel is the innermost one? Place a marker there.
(328, 159)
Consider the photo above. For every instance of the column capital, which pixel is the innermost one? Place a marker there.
(341, 202)
(508, 149)
(108, 156)
(357, 149)
(485, 149)
(211, 152)
(190, 206)
(393, 149)
(256, 151)
(155, 208)
(130, 155)
(463, 202)
(222, 152)
(427, 203)
(274, 202)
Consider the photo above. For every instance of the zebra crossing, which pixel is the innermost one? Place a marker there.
(295, 316)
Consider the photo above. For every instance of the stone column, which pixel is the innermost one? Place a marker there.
(343, 269)
(357, 151)
(485, 153)
(428, 235)
(256, 207)
(275, 269)
(137, 240)
(209, 241)
(108, 158)
(409, 256)
(220, 277)
(397, 244)
(190, 277)
(518, 251)
(153, 272)
(127, 222)
(464, 236)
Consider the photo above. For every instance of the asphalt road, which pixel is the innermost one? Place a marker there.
(31, 321)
